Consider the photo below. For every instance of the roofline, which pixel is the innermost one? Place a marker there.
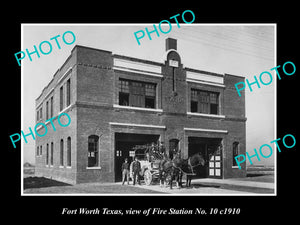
(227, 74)
(137, 59)
(87, 47)
(203, 71)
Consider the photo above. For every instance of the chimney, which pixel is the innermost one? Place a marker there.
(171, 44)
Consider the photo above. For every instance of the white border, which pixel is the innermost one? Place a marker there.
(198, 76)
(205, 130)
(137, 108)
(137, 125)
(206, 115)
(204, 82)
(131, 70)
(141, 24)
(131, 64)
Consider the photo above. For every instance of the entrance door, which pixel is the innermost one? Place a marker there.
(215, 161)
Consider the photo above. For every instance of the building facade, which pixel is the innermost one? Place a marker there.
(116, 102)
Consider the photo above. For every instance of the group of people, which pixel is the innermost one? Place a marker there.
(136, 168)
(136, 165)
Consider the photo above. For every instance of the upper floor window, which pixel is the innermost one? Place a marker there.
(47, 110)
(61, 98)
(51, 107)
(39, 114)
(204, 102)
(68, 92)
(137, 94)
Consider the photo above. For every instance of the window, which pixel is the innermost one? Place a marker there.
(194, 101)
(150, 93)
(37, 115)
(68, 92)
(41, 113)
(61, 98)
(93, 154)
(37, 151)
(235, 152)
(61, 152)
(213, 103)
(137, 94)
(123, 92)
(173, 147)
(69, 151)
(41, 150)
(51, 154)
(47, 110)
(51, 107)
(204, 102)
(47, 154)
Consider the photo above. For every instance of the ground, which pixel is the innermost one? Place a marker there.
(254, 183)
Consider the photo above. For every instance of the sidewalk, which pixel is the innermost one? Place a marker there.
(235, 182)
(208, 186)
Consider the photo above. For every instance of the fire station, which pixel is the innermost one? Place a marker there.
(117, 102)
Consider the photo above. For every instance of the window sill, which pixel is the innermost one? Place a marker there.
(94, 168)
(65, 109)
(61, 167)
(206, 115)
(234, 167)
(69, 167)
(137, 108)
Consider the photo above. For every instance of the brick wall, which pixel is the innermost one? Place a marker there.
(56, 171)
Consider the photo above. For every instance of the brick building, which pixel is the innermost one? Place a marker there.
(116, 102)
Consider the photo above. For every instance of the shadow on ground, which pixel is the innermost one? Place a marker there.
(255, 175)
(41, 182)
(204, 185)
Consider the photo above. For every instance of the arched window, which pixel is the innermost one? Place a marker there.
(173, 147)
(47, 154)
(61, 152)
(235, 152)
(93, 154)
(51, 154)
(69, 151)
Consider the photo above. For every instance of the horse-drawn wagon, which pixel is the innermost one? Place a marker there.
(150, 156)
(156, 165)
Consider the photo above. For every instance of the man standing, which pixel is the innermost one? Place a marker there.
(136, 168)
(125, 171)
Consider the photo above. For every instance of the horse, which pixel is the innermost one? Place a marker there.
(187, 166)
(167, 170)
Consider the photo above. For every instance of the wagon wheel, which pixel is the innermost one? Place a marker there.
(147, 177)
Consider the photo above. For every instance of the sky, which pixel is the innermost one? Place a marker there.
(239, 49)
